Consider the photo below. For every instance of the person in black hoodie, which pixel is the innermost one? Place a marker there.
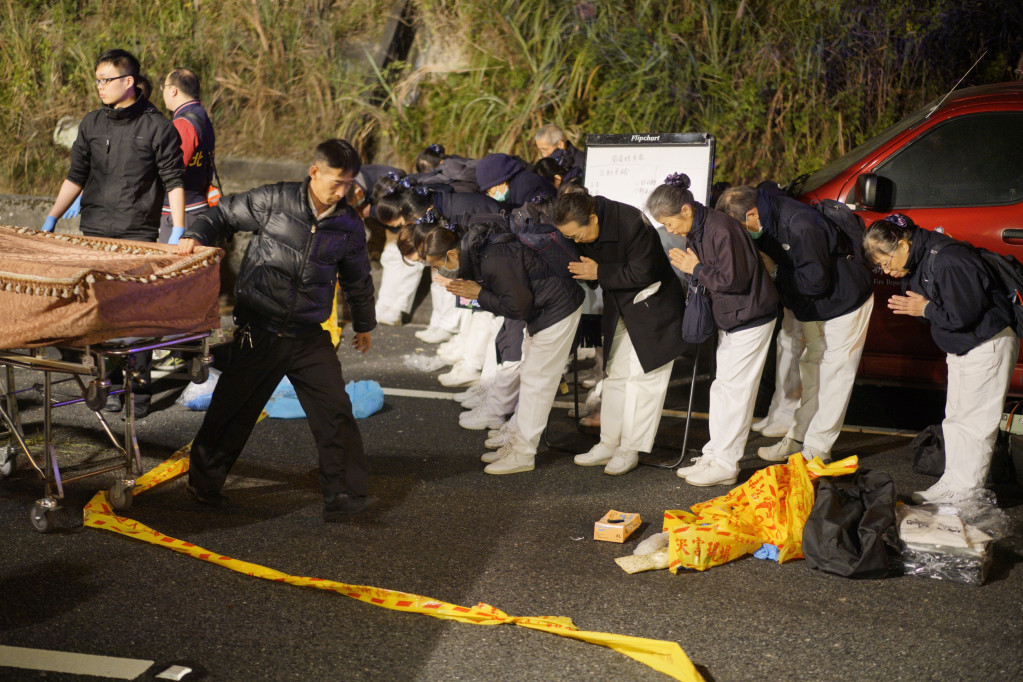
(722, 257)
(641, 324)
(506, 180)
(126, 156)
(305, 240)
(508, 278)
(946, 284)
(831, 293)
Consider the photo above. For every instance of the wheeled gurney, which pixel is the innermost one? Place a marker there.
(98, 302)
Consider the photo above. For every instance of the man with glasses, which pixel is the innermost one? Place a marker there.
(126, 158)
(305, 238)
(830, 293)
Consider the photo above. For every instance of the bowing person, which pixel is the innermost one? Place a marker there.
(641, 322)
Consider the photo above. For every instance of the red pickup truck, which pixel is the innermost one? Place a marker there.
(954, 165)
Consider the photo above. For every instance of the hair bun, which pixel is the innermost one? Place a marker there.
(428, 217)
(436, 149)
(897, 219)
(680, 180)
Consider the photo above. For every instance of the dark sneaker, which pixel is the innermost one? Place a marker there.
(114, 404)
(211, 498)
(346, 505)
(171, 363)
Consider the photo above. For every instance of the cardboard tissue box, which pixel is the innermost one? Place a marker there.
(615, 526)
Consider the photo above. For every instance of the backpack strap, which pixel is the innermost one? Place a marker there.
(927, 272)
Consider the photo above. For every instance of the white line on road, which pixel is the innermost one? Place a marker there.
(78, 664)
(679, 414)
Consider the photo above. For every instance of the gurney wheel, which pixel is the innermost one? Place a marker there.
(9, 463)
(121, 496)
(198, 371)
(96, 394)
(41, 517)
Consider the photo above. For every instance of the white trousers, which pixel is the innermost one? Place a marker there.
(977, 384)
(632, 399)
(444, 314)
(740, 362)
(828, 370)
(543, 364)
(787, 384)
(398, 283)
(479, 338)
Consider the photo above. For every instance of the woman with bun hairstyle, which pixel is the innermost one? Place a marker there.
(722, 257)
(946, 284)
(490, 264)
(641, 324)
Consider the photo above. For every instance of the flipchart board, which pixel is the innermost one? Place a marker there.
(628, 167)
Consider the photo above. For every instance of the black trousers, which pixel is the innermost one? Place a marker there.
(252, 374)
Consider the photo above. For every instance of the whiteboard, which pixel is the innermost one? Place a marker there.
(627, 168)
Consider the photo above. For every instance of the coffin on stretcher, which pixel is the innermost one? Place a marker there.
(58, 289)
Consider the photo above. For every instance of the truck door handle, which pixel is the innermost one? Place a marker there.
(1015, 234)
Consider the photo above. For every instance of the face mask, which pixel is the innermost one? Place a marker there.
(500, 196)
(757, 234)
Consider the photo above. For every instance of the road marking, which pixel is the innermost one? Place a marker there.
(78, 664)
(678, 414)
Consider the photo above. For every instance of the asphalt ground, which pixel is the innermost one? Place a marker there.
(444, 529)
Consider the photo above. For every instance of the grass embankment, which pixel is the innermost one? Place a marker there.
(782, 85)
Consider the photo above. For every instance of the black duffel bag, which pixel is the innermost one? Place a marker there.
(852, 520)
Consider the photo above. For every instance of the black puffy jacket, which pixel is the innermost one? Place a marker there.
(125, 160)
(286, 280)
(517, 283)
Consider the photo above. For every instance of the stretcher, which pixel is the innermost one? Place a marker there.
(95, 303)
(88, 368)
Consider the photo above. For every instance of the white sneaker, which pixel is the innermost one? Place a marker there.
(622, 462)
(712, 472)
(389, 321)
(514, 462)
(691, 467)
(476, 398)
(450, 351)
(780, 451)
(460, 375)
(598, 455)
(497, 454)
(499, 438)
(433, 335)
(941, 493)
(479, 419)
(768, 428)
(471, 391)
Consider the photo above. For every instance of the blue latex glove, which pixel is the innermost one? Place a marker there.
(49, 224)
(767, 551)
(175, 235)
(74, 209)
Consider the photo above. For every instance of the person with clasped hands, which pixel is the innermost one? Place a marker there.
(744, 303)
(970, 315)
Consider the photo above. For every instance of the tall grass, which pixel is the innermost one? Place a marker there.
(783, 85)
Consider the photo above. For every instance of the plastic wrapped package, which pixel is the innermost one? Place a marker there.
(948, 542)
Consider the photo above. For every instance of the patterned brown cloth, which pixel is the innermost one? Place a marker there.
(59, 289)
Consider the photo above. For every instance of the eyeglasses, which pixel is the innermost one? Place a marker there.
(100, 82)
(886, 266)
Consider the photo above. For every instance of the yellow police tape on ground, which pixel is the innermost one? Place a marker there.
(663, 656)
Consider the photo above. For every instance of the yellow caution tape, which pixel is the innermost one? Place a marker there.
(663, 656)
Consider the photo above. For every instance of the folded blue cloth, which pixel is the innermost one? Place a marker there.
(767, 551)
(367, 398)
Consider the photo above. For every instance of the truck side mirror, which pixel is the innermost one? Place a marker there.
(874, 192)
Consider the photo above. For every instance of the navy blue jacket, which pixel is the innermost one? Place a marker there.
(456, 206)
(517, 283)
(813, 281)
(286, 280)
(968, 305)
(525, 186)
